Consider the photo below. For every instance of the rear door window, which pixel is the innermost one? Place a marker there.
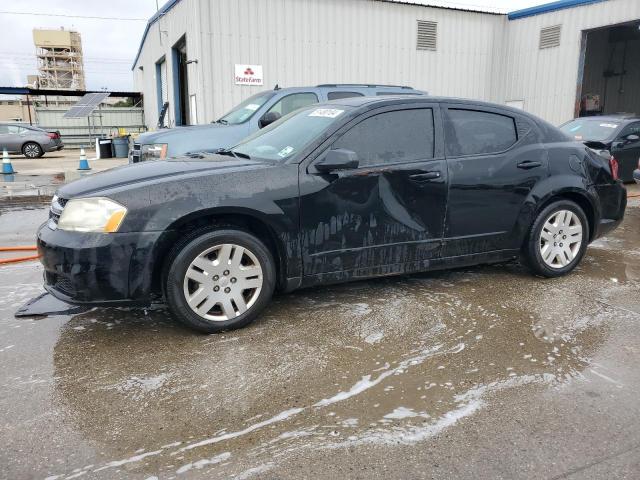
(477, 132)
(391, 137)
(339, 95)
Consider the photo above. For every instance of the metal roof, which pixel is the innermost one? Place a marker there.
(550, 7)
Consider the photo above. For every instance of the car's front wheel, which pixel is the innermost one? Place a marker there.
(558, 239)
(219, 280)
(32, 150)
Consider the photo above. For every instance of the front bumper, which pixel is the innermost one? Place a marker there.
(636, 176)
(97, 268)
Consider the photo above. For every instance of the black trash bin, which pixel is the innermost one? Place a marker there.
(104, 148)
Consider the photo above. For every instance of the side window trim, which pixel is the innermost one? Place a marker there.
(439, 154)
(480, 108)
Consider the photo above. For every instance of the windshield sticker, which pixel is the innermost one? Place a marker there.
(609, 125)
(252, 106)
(285, 151)
(326, 112)
(578, 137)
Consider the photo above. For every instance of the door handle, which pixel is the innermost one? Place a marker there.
(529, 164)
(425, 177)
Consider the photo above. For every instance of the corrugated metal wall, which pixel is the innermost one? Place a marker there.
(307, 42)
(547, 80)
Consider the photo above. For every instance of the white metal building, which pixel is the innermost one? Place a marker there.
(548, 60)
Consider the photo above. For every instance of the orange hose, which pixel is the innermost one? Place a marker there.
(18, 249)
(18, 259)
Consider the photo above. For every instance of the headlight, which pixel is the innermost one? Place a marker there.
(155, 151)
(92, 215)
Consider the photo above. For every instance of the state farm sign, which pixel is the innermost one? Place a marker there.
(248, 74)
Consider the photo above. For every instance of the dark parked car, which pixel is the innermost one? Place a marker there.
(341, 191)
(32, 142)
(254, 113)
(616, 135)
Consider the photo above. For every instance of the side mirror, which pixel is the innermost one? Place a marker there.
(338, 159)
(632, 138)
(268, 118)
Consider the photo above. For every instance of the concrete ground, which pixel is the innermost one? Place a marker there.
(484, 372)
(42, 176)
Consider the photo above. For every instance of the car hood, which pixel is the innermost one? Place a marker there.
(137, 174)
(197, 138)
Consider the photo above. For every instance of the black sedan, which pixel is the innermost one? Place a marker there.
(615, 135)
(334, 192)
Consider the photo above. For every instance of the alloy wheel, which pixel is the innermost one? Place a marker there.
(223, 282)
(31, 150)
(560, 239)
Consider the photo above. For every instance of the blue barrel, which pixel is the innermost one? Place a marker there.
(121, 147)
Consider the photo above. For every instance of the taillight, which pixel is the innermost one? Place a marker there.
(53, 135)
(613, 165)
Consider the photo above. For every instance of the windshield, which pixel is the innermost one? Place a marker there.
(244, 111)
(289, 135)
(592, 129)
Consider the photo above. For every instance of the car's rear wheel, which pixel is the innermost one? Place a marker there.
(32, 150)
(219, 280)
(558, 239)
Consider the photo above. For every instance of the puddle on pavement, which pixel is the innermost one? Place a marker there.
(388, 361)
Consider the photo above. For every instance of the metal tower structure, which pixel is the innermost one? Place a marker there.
(59, 54)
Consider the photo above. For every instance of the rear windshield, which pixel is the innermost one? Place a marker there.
(591, 129)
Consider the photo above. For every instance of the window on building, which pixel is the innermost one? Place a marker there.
(293, 102)
(391, 137)
(472, 132)
(339, 95)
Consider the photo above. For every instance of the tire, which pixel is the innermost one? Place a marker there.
(554, 256)
(192, 271)
(32, 150)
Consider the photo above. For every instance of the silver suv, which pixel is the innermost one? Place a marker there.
(32, 142)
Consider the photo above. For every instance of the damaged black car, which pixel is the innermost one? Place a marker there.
(334, 192)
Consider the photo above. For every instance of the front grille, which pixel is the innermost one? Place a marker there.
(59, 282)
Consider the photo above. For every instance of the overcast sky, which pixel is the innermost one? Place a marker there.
(109, 46)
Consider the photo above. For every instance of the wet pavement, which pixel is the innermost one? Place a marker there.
(484, 372)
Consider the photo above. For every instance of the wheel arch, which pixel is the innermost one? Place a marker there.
(576, 195)
(242, 218)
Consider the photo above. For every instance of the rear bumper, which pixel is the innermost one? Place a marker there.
(53, 147)
(613, 203)
(95, 268)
